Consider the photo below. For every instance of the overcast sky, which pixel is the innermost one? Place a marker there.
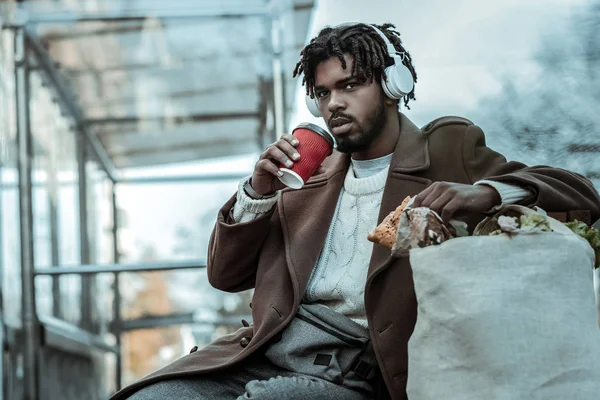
(461, 49)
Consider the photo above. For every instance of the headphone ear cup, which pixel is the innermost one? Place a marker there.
(399, 80)
(312, 106)
(386, 84)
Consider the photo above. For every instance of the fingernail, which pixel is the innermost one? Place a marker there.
(294, 141)
(296, 156)
(289, 163)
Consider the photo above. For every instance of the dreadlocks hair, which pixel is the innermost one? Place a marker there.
(361, 42)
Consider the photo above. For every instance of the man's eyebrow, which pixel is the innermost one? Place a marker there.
(340, 82)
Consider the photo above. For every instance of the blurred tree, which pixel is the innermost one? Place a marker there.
(554, 119)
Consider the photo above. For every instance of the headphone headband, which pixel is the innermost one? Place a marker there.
(399, 80)
(388, 44)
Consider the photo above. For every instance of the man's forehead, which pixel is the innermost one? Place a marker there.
(330, 71)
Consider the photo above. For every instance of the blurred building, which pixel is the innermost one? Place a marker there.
(124, 125)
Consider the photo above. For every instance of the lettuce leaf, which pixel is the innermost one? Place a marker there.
(592, 235)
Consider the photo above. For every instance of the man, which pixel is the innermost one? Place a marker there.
(309, 246)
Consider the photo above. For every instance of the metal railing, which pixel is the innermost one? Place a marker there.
(84, 337)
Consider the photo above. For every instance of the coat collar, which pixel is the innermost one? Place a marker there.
(307, 214)
(410, 155)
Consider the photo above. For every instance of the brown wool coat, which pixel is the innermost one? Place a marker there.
(276, 253)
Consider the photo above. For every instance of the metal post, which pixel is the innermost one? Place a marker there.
(278, 79)
(1, 353)
(117, 288)
(1, 239)
(53, 193)
(31, 332)
(1, 272)
(87, 282)
(1, 295)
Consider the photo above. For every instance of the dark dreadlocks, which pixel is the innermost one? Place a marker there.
(363, 44)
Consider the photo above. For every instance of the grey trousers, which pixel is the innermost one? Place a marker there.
(255, 378)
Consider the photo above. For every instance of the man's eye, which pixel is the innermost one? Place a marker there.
(351, 85)
(321, 94)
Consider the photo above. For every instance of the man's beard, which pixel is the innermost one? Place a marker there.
(368, 132)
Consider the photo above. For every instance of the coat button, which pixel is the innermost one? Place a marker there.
(194, 349)
(245, 341)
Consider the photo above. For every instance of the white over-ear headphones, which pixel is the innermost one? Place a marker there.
(399, 80)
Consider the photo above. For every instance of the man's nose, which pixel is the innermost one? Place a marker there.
(336, 102)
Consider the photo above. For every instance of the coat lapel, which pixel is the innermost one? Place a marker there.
(410, 156)
(306, 215)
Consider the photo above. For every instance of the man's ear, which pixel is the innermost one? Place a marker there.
(390, 102)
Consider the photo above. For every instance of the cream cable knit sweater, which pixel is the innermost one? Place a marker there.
(338, 281)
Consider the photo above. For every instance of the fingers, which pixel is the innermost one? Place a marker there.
(449, 210)
(268, 166)
(442, 197)
(290, 139)
(418, 200)
(439, 202)
(283, 151)
(430, 194)
(277, 155)
(447, 199)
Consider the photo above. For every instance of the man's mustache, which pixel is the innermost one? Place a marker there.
(340, 115)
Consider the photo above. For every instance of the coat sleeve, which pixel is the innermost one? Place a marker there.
(234, 248)
(553, 189)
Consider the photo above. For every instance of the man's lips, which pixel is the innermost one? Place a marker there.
(340, 125)
(341, 129)
(339, 122)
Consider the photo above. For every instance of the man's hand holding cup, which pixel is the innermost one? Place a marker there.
(292, 159)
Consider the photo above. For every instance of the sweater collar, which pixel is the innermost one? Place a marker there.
(367, 185)
(410, 155)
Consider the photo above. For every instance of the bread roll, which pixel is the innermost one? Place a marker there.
(385, 233)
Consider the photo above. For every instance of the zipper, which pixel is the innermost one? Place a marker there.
(349, 340)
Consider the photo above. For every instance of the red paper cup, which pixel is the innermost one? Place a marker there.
(315, 144)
